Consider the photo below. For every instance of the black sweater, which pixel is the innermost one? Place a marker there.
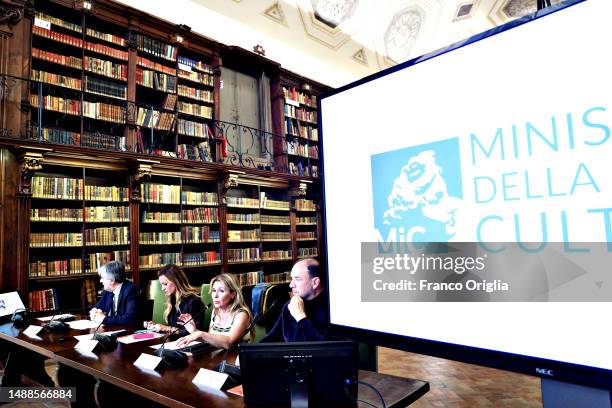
(312, 328)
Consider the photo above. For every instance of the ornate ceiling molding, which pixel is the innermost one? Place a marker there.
(361, 57)
(327, 33)
(276, 13)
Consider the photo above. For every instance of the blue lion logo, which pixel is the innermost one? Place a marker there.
(417, 192)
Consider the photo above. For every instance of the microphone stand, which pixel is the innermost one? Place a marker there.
(56, 326)
(175, 358)
(108, 341)
(233, 371)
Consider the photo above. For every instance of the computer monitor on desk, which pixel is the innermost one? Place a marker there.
(323, 373)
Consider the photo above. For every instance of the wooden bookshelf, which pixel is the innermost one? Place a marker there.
(94, 79)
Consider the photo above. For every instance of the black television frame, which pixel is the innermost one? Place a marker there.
(544, 368)
(322, 372)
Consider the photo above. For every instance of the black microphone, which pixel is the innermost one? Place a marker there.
(107, 341)
(56, 326)
(233, 370)
(175, 358)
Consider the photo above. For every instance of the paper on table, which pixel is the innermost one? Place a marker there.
(55, 317)
(171, 345)
(129, 339)
(210, 378)
(82, 324)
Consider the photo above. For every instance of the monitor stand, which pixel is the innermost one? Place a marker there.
(298, 386)
(557, 394)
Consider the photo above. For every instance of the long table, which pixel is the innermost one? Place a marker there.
(174, 387)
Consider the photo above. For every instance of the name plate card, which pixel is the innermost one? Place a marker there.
(147, 361)
(209, 378)
(32, 330)
(87, 345)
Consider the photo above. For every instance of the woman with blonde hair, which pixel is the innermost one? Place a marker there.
(231, 318)
(182, 303)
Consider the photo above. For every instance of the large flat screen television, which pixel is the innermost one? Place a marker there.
(322, 373)
(468, 202)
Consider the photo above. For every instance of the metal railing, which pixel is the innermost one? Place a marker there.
(60, 115)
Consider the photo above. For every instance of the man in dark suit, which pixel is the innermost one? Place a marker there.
(119, 303)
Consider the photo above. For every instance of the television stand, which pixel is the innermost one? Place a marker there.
(560, 394)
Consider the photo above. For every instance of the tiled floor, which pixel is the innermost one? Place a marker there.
(454, 384)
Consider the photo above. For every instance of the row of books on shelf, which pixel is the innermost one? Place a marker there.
(106, 68)
(188, 235)
(106, 50)
(253, 278)
(155, 119)
(103, 87)
(106, 193)
(243, 218)
(194, 109)
(107, 236)
(256, 218)
(275, 219)
(93, 214)
(306, 220)
(43, 300)
(88, 139)
(199, 234)
(244, 202)
(276, 255)
(157, 48)
(305, 235)
(268, 203)
(62, 267)
(94, 110)
(293, 94)
(94, 261)
(305, 131)
(44, 32)
(200, 152)
(303, 204)
(275, 236)
(160, 193)
(194, 216)
(199, 197)
(300, 169)
(194, 93)
(243, 255)
(300, 114)
(70, 61)
(107, 214)
(243, 235)
(198, 77)
(147, 63)
(156, 80)
(55, 79)
(43, 17)
(57, 214)
(57, 187)
(195, 129)
(188, 63)
(106, 37)
(308, 252)
(181, 259)
(302, 149)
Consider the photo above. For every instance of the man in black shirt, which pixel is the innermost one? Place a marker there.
(304, 316)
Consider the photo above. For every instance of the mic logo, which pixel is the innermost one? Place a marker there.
(545, 371)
